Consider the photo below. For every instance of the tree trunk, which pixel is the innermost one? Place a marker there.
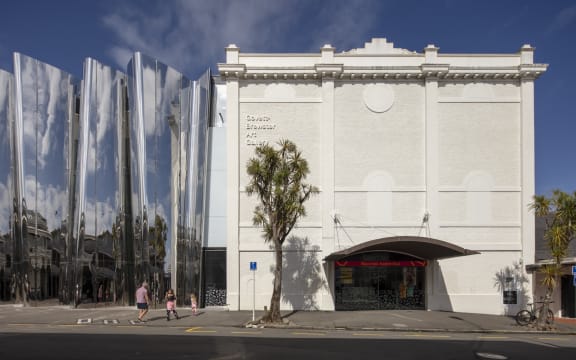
(273, 315)
(541, 323)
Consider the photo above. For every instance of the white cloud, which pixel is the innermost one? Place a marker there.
(101, 214)
(191, 35)
(49, 201)
(563, 19)
(121, 55)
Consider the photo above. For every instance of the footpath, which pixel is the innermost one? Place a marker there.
(385, 320)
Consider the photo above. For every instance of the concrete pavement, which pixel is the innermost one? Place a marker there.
(385, 320)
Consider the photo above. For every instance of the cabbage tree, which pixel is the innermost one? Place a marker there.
(277, 177)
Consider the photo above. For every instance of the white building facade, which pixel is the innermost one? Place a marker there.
(425, 165)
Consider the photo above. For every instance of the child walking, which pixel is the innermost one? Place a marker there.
(170, 304)
(194, 304)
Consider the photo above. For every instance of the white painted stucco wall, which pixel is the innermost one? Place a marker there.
(390, 135)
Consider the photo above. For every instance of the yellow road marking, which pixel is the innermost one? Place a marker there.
(309, 333)
(551, 338)
(197, 330)
(201, 331)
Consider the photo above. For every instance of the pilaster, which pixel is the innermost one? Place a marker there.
(528, 173)
(431, 213)
(233, 195)
(328, 72)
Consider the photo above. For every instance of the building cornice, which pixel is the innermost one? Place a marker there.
(231, 70)
(422, 72)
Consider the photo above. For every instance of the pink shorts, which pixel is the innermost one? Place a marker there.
(170, 305)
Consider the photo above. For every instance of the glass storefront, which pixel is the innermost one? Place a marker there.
(214, 277)
(380, 281)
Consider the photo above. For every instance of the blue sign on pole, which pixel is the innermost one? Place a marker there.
(252, 265)
(574, 270)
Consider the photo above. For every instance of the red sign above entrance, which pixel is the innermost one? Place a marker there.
(415, 263)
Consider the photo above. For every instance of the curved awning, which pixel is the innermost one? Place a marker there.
(419, 247)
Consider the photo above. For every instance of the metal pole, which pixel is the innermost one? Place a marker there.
(253, 294)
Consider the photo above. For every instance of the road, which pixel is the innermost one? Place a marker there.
(143, 342)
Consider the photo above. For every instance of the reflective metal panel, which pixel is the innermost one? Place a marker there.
(214, 239)
(159, 102)
(197, 175)
(6, 192)
(215, 223)
(46, 110)
(103, 270)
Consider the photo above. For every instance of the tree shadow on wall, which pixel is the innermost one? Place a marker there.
(301, 274)
(513, 278)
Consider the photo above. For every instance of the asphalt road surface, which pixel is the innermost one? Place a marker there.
(88, 346)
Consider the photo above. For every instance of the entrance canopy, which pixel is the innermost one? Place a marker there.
(419, 247)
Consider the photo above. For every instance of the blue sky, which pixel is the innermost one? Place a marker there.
(191, 36)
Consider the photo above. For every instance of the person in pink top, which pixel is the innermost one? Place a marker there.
(142, 301)
(194, 304)
(170, 304)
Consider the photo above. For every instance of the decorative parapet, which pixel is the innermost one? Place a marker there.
(379, 60)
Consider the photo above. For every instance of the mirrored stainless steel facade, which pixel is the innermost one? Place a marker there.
(44, 134)
(189, 253)
(168, 129)
(103, 261)
(6, 197)
(103, 182)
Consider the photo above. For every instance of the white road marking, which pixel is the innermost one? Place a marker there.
(406, 317)
(400, 325)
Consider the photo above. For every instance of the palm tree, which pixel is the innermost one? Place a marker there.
(559, 212)
(277, 179)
